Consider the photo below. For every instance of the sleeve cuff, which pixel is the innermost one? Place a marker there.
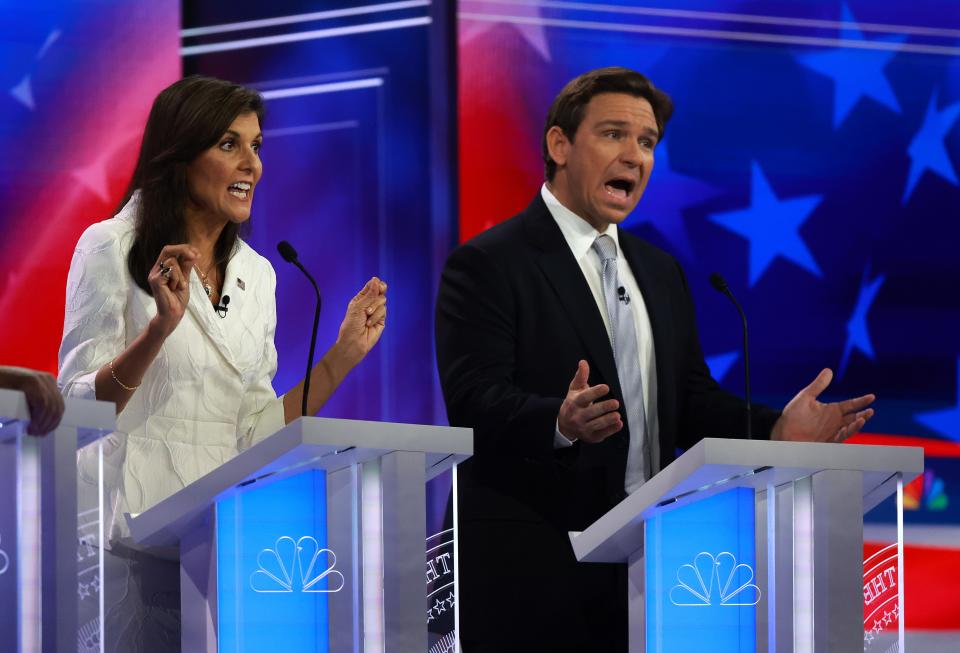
(83, 386)
(559, 441)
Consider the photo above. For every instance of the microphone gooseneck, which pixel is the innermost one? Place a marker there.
(289, 255)
(720, 285)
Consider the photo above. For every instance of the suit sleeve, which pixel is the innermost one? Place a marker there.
(476, 337)
(709, 410)
(93, 328)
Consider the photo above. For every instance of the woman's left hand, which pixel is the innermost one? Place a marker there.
(365, 320)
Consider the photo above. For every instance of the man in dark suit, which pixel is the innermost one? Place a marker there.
(558, 292)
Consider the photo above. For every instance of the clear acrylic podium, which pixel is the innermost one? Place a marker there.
(754, 546)
(313, 539)
(49, 568)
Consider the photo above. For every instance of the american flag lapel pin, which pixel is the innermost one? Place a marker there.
(240, 284)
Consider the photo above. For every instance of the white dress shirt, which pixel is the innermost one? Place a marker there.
(580, 235)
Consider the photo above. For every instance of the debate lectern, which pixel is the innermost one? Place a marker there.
(756, 546)
(313, 539)
(49, 568)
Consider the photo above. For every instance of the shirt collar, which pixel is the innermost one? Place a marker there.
(578, 233)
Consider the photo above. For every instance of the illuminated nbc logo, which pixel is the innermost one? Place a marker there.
(4, 561)
(925, 491)
(710, 578)
(278, 567)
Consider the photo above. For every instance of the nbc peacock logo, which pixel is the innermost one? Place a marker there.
(4, 561)
(296, 566)
(714, 580)
(925, 492)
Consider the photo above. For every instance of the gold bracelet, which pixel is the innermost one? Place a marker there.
(119, 382)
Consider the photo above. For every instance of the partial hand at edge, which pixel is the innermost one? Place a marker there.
(582, 416)
(44, 400)
(805, 419)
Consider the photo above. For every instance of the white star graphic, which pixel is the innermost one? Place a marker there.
(23, 91)
(95, 175)
(478, 17)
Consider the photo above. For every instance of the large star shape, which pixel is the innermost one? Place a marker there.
(927, 149)
(858, 336)
(721, 363)
(477, 17)
(855, 73)
(97, 172)
(668, 194)
(945, 422)
(23, 91)
(772, 226)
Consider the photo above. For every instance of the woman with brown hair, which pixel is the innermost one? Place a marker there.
(142, 328)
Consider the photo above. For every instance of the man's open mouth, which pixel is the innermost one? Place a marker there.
(620, 187)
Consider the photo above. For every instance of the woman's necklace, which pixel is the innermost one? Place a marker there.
(207, 285)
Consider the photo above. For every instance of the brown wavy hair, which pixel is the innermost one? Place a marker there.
(570, 105)
(188, 117)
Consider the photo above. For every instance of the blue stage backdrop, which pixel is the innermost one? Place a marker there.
(349, 176)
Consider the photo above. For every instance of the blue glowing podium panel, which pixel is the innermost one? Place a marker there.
(744, 546)
(274, 570)
(704, 576)
(50, 527)
(310, 540)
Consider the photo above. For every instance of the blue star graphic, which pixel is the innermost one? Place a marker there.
(667, 196)
(721, 363)
(772, 226)
(945, 422)
(856, 73)
(927, 149)
(858, 336)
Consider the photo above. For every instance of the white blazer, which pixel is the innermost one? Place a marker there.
(208, 393)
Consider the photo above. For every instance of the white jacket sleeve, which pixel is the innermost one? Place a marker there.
(261, 412)
(93, 326)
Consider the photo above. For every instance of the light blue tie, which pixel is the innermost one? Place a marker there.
(623, 340)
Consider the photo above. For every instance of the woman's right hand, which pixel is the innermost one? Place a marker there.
(169, 280)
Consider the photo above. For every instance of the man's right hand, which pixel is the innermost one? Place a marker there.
(582, 416)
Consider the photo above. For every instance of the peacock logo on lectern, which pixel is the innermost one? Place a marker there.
(278, 568)
(4, 561)
(714, 580)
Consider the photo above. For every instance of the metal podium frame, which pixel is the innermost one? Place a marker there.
(371, 467)
(46, 504)
(812, 533)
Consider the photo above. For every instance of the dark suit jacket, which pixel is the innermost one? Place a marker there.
(514, 317)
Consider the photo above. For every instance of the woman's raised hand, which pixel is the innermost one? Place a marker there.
(169, 280)
(365, 320)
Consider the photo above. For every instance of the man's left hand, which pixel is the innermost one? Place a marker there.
(805, 419)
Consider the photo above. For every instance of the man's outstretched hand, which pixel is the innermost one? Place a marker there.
(582, 415)
(805, 419)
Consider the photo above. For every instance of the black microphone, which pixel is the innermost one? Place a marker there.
(720, 284)
(623, 296)
(221, 308)
(289, 255)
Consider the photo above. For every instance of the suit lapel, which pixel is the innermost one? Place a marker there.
(209, 322)
(564, 275)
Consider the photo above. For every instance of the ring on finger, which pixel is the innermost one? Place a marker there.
(165, 271)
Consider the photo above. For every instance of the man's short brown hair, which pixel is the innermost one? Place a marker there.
(570, 105)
